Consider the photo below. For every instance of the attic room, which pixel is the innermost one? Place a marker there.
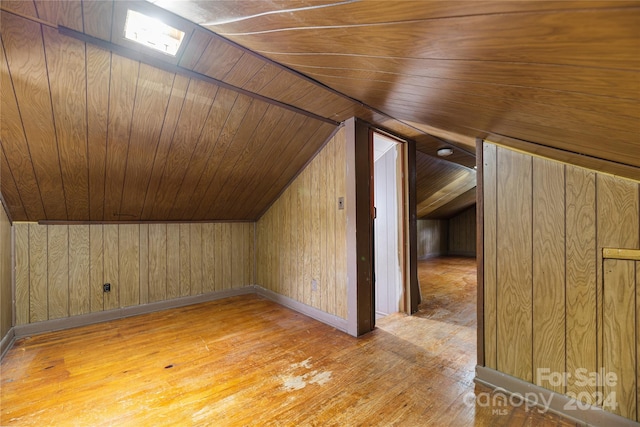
(189, 225)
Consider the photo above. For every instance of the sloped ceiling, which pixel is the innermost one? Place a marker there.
(445, 188)
(94, 129)
(106, 133)
(559, 74)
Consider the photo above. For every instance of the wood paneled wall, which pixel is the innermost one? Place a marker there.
(6, 303)
(550, 301)
(432, 238)
(60, 269)
(302, 238)
(462, 233)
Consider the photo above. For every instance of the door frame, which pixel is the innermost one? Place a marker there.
(360, 249)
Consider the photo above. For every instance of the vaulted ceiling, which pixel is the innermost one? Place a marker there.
(95, 129)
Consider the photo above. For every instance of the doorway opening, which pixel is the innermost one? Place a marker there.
(388, 226)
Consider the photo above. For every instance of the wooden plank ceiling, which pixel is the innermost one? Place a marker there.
(112, 134)
(445, 188)
(556, 73)
(106, 133)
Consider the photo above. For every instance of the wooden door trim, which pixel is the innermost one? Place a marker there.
(365, 313)
(414, 285)
(480, 249)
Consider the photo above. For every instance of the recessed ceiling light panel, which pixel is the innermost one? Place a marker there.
(152, 33)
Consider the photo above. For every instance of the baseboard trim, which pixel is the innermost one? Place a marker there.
(105, 316)
(557, 403)
(31, 329)
(7, 342)
(319, 315)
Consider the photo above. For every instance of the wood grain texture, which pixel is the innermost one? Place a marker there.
(13, 199)
(514, 264)
(38, 295)
(196, 259)
(462, 233)
(25, 55)
(240, 356)
(185, 260)
(226, 255)
(306, 274)
(16, 150)
(60, 269)
(208, 256)
(193, 115)
(122, 97)
(144, 263)
(628, 254)
(23, 8)
(218, 263)
(111, 265)
(307, 205)
(79, 270)
(619, 335)
(340, 175)
(194, 49)
(331, 215)
(347, 14)
(96, 266)
(22, 272)
(581, 286)
(57, 254)
(216, 151)
(6, 281)
(122, 108)
(282, 222)
(98, 86)
(637, 340)
(97, 17)
(151, 102)
(439, 184)
(236, 249)
(129, 264)
(618, 223)
(157, 262)
(490, 215)
(66, 13)
(401, 72)
(66, 68)
(173, 261)
(580, 318)
(548, 270)
(172, 114)
(249, 252)
(133, 142)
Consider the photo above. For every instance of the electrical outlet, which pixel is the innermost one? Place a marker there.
(314, 285)
(106, 287)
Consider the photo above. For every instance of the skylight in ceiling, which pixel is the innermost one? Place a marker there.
(152, 33)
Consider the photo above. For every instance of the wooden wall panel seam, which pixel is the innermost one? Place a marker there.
(128, 53)
(279, 242)
(120, 259)
(593, 211)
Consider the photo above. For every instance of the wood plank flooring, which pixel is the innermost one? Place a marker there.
(248, 361)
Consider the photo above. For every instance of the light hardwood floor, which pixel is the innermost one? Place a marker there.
(249, 361)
